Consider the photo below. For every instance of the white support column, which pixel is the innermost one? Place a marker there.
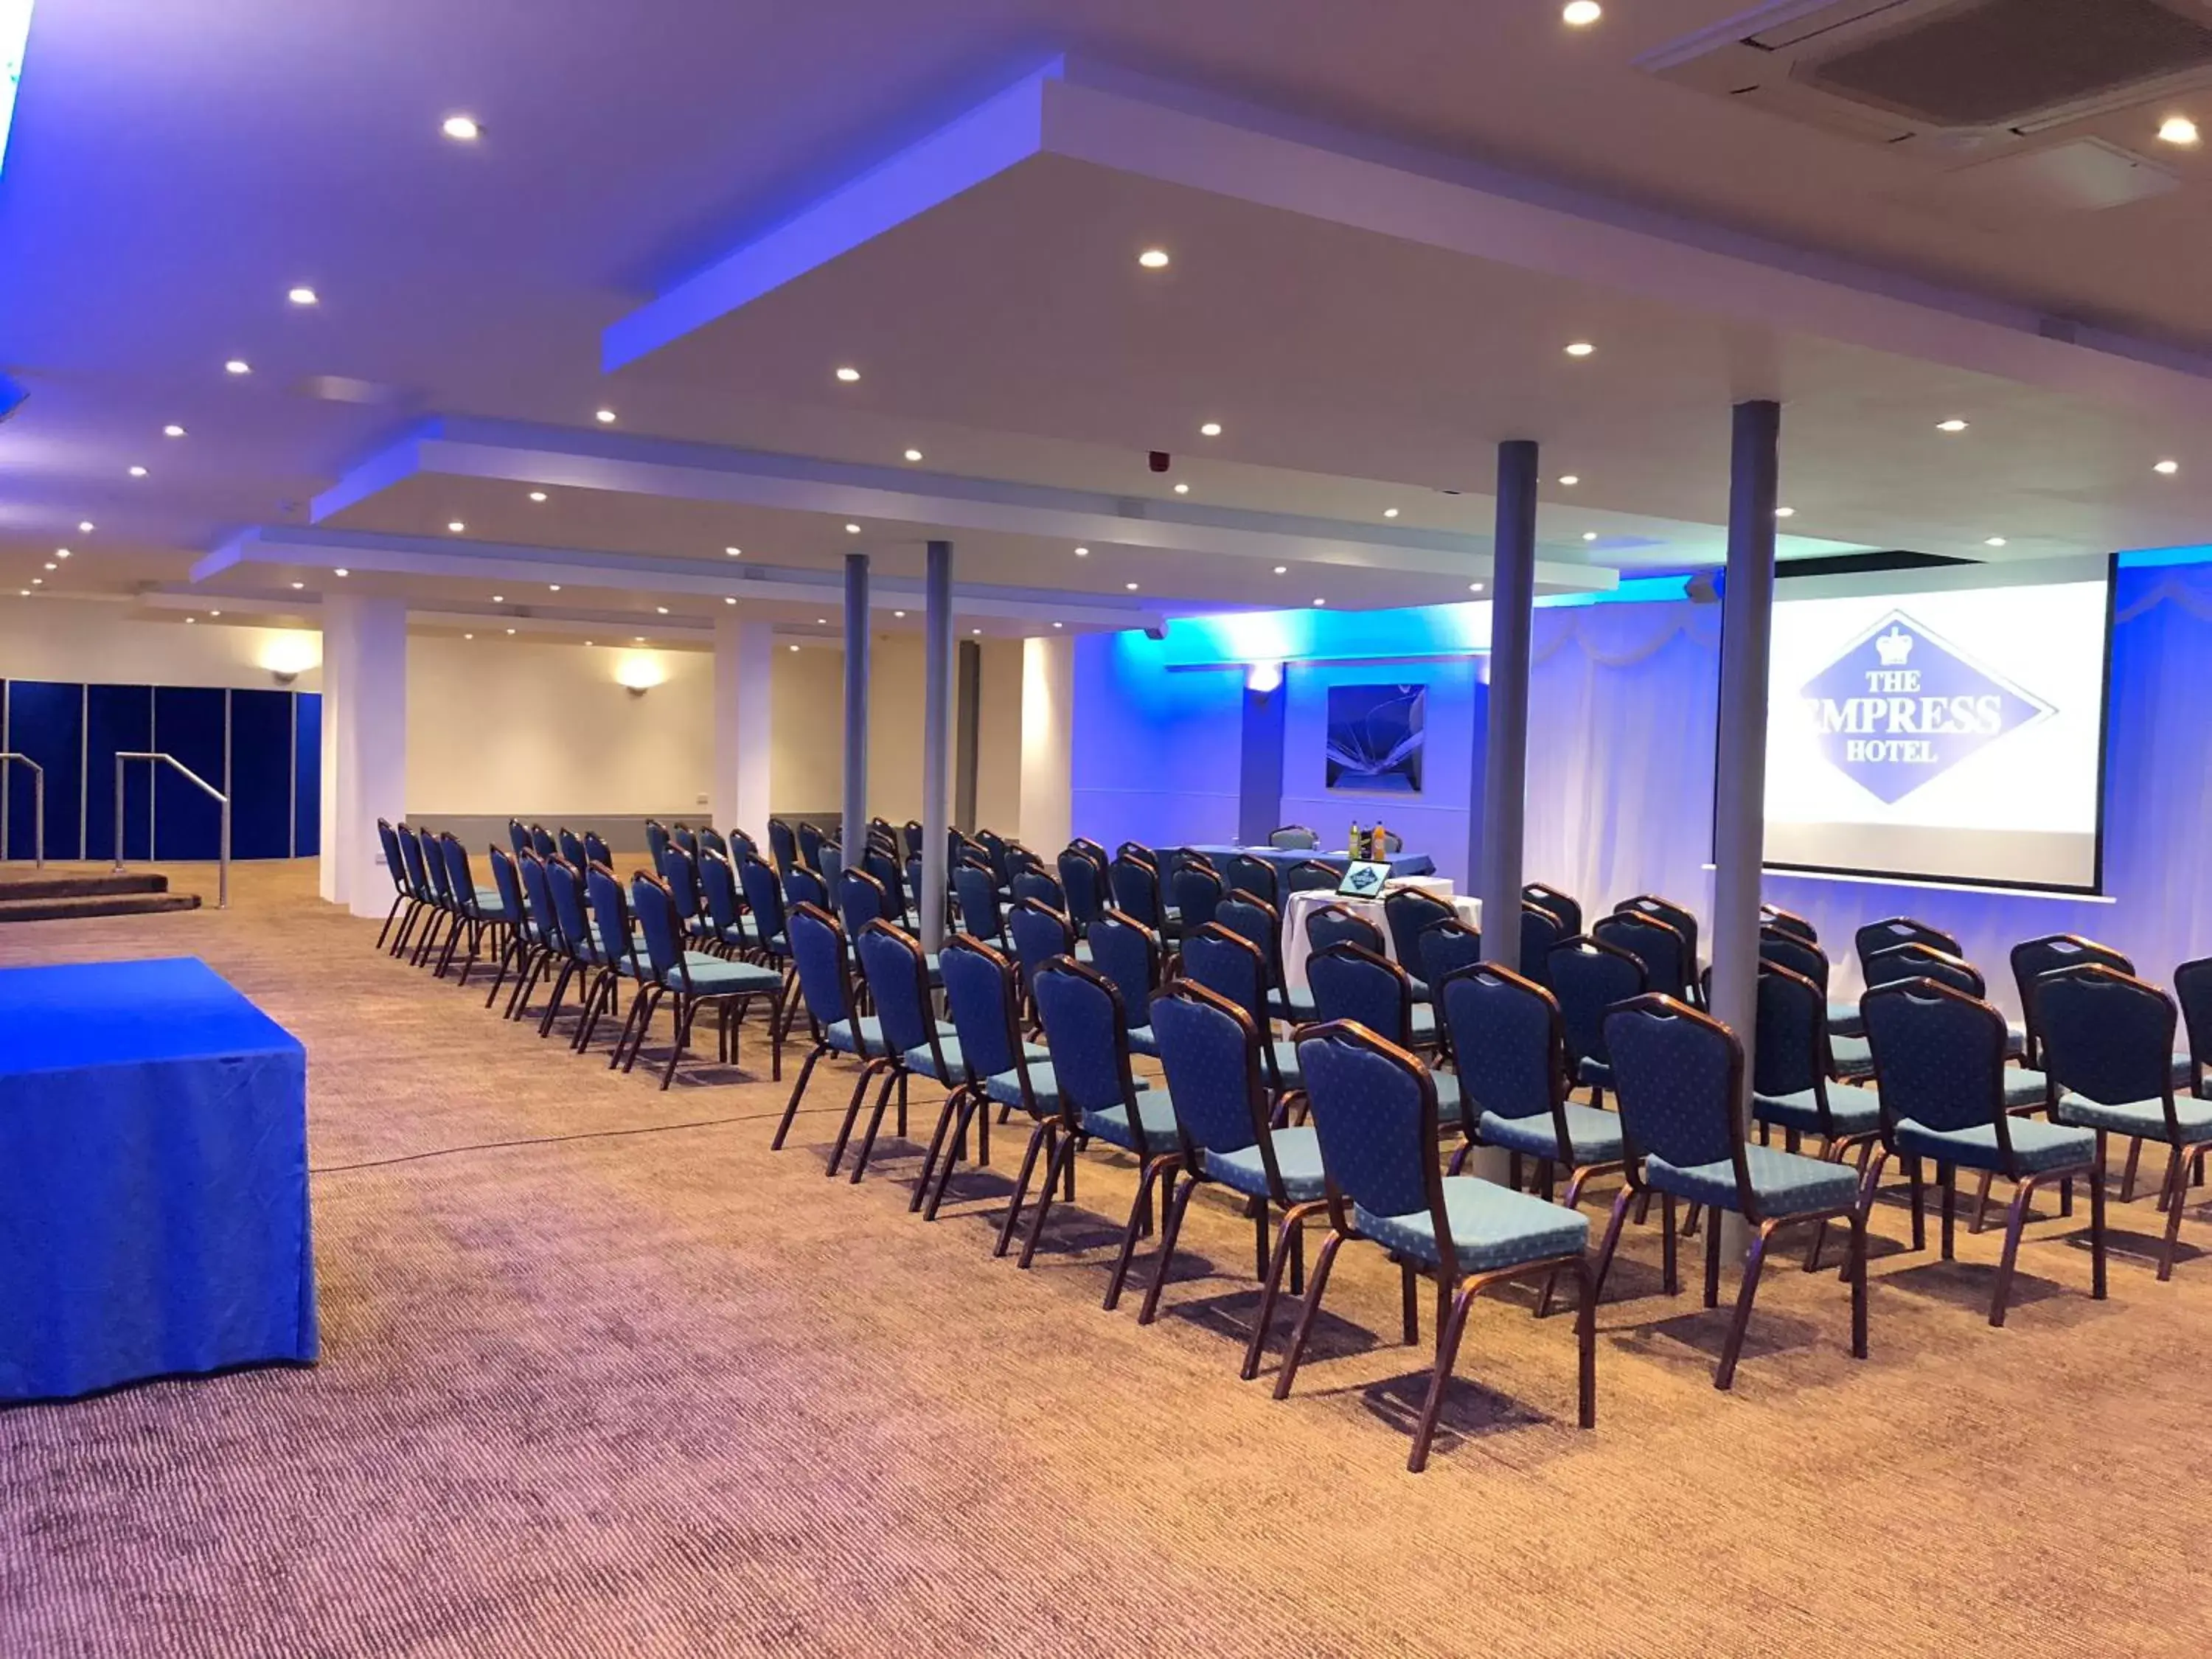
(936, 742)
(854, 803)
(744, 719)
(364, 746)
(1048, 801)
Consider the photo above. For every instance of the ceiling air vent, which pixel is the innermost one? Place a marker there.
(1958, 80)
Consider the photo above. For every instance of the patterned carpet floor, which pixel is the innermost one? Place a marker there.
(602, 1375)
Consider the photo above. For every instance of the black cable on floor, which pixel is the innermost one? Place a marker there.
(543, 1140)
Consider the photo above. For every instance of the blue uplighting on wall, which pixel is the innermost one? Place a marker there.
(2148, 558)
(15, 32)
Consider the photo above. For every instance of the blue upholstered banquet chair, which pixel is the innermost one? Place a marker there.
(1682, 920)
(1041, 885)
(1446, 947)
(694, 979)
(764, 899)
(1255, 876)
(1128, 953)
(1311, 876)
(1408, 913)
(727, 922)
(1588, 977)
(1678, 1074)
(613, 935)
(1338, 924)
(571, 847)
(811, 839)
(822, 966)
(1135, 885)
(1352, 983)
(404, 892)
(2192, 989)
(1250, 919)
(479, 911)
(1038, 933)
(993, 1064)
(656, 844)
(782, 845)
(2031, 959)
(1196, 891)
(1787, 921)
(803, 884)
(515, 933)
(518, 836)
(1293, 838)
(977, 889)
(1566, 911)
(1375, 1115)
(540, 842)
(897, 976)
(544, 948)
(860, 900)
(1084, 882)
(1542, 933)
(679, 869)
(1664, 950)
(1231, 966)
(595, 851)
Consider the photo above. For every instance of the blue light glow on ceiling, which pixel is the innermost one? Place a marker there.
(15, 31)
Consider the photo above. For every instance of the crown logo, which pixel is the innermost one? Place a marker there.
(1895, 646)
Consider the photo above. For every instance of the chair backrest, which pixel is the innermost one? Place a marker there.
(1923, 961)
(1939, 1056)
(410, 856)
(810, 844)
(1542, 931)
(1086, 1033)
(434, 863)
(803, 884)
(537, 894)
(718, 884)
(596, 851)
(1136, 888)
(1079, 879)
(911, 832)
(1310, 876)
(540, 842)
(1197, 889)
(1038, 933)
(764, 899)
(1655, 942)
(509, 881)
(2032, 958)
(1041, 885)
(1409, 912)
(1375, 1114)
(1293, 838)
(1446, 947)
(657, 844)
(1511, 1044)
(742, 843)
(1128, 953)
(998, 854)
(977, 889)
(518, 836)
(829, 861)
(2192, 988)
(679, 869)
(1338, 924)
(1352, 983)
(861, 900)
(460, 882)
(610, 917)
(782, 843)
(1210, 1050)
(395, 861)
(1796, 952)
(1139, 851)
(1791, 1054)
(1229, 965)
(711, 841)
(564, 884)
(572, 846)
(1662, 910)
(882, 862)
(981, 997)
(1566, 911)
(681, 835)
(817, 950)
(1255, 876)
(1677, 1075)
(2106, 1035)
(1894, 931)
(1252, 918)
(897, 974)
(1588, 976)
(1787, 921)
(658, 914)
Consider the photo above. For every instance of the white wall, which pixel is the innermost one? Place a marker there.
(91, 642)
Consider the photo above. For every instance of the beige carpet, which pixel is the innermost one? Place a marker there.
(647, 1388)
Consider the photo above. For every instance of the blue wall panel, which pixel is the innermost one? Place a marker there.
(188, 723)
(307, 745)
(45, 720)
(261, 774)
(118, 718)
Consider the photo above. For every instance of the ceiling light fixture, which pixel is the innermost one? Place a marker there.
(1570, 479)
(1589, 535)
(2178, 130)
(1389, 511)
(661, 609)
(852, 529)
(471, 636)
(603, 417)
(537, 494)
(1580, 349)
(1282, 570)
(456, 526)
(898, 613)
(61, 552)
(913, 454)
(1474, 587)
(237, 366)
(735, 552)
(2169, 468)
(1995, 541)
(510, 630)
(84, 526)
(1183, 489)
(1321, 601)
(173, 430)
(1082, 552)
(794, 647)
(51, 565)
(974, 630)
(1955, 424)
(1785, 512)
(1154, 259)
(342, 571)
(729, 598)
(1581, 14)
(552, 587)
(1211, 429)
(304, 295)
(499, 598)
(138, 471)
(462, 129)
(848, 374)
(1131, 586)
(297, 586)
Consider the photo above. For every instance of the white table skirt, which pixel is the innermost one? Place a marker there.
(1302, 905)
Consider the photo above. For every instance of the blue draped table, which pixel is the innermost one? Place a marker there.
(153, 1179)
(1401, 864)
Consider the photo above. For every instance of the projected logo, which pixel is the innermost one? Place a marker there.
(1902, 707)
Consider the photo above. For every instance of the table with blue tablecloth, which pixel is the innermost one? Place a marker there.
(153, 1179)
(1401, 864)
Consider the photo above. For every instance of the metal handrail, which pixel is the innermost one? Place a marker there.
(38, 804)
(222, 864)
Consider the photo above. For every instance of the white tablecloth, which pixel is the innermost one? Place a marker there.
(1302, 905)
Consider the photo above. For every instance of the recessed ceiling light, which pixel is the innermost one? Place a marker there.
(898, 613)
(1183, 489)
(552, 587)
(297, 586)
(1474, 587)
(2178, 130)
(510, 630)
(2167, 467)
(214, 613)
(1581, 14)
(1059, 624)
(729, 598)
(1321, 601)
(1082, 552)
(537, 494)
(1785, 512)
(848, 374)
(662, 609)
(471, 636)
(456, 525)
(342, 571)
(304, 295)
(138, 471)
(61, 552)
(84, 526)
(23, 593)
(637, 639)
(1995, 541)
(1131, 586)
(191, 619)
(499, 598)
(604, 417)
(822, 622)
(1282, 570)
(51, 565)
(1211, 429)
(1154, 259)
(1580, 349)
(1589, 535)
(461, 128)
(237, 366)
(1955, 424)
(913, 454)
(974, 630)
(794, 647)
(852, 529)
(1389, 511)
(1570, 479)
(173, 430)
(734, 552)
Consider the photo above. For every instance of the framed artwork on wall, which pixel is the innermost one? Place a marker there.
(1376, 735)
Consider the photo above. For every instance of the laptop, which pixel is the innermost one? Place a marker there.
(1364, 880)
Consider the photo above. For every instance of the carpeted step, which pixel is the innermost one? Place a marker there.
(42, 884)
(67, 909)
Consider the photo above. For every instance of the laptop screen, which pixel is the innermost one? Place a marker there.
(1364, 880)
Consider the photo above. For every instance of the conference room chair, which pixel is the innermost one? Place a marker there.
(1311, 876)
(829, 860)
(1678, 1074)
(883, 863)
(911, 834)
(1566, 911)
(1137, 850)
(1939, 1069)
(1445, 947)
(1588, 977)
(992, 847)
(680, 834)
(811, 842)
(1669, 964)
(694, 979)
(783, 844)
(822, 968)
(1787, 949)
(657, 844)
(572, 846)
(613, 934)
(1891, 932)
(994, 1065)
(1409, 912)
(2024, 1087)
(2192, 989)
(1041, 886)
(1037, 933)
(1683, 922)
(1542, 933)
(541, 843)
(445, 918)
(1338, 924)
(977, 890)
(1084, 883)
(1255, 876)
(1793, 1086)
(804, 884)
(1787, 922)
(1293, 838)
(2031, 959)
(578, 940)
(679, 869)
(518, 836)
(1255, 920)
(896, 973)
(764, 899)
(1086, 1033)
(1134, 886)
(596, 851)
(1229, 965)
(545, 949)
(1349, 981)
(1194, 891)
(429, 909)
(1127, 953)
(860, 900)
(405, 895)
(2107, 1047)
(711, 840)
(1374, 1116)
(1211, 1050)
(516, 933)
(727, 922)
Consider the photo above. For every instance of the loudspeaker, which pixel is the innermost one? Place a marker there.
(1158, 633)
(1706, 587)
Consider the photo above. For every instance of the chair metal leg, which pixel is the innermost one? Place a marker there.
(1286, 1240)
(1409, 1303)
(1946, 1175)
(1981, 1201)
(1171, 1228)
(950, 1110)
(1858, 1268)
(852, 1112)
(1620, 1203)
(1139, 1217)
(686, 1011)
(1063, 1155)
(1041, 1136)
(2127, 1174)
(1713, 1263)
(975, 1109)
(1586, 1343)
(1919, 1213)
(1668, 1281)
(797, 1090)
(1753, 1259)
(397, 899)
(2097, 1224)
(1449, 1332)
(2177, 1194)
(895, 1076)
(2013, 1217)
(1304, 1328)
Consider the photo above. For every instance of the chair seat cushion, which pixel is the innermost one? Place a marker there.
(1595, 1132)
(2024, 1088)
(2036, 1145)
(1854, 1109)
(1425, 1023)
(2145, 1118)
(742, 932)
(1005, 1087)
(1287, 1065)
(1451, 1113)
(1492, 1227)
(493, 908)
(718, 976)
(1781, 1183)
(1296, 1007)
(1843, 1020)
(1297, 1159)
(1156, 1119)
(867, 1042)
(1594, 1073)
(1854, 1055)
(1142, 1041)
(917, 1059)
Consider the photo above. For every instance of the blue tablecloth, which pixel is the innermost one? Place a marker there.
(1402, 864)
(153, 1179)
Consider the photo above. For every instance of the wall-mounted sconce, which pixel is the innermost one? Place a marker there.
(639, 672)
(1262, 677)
(288, 656)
